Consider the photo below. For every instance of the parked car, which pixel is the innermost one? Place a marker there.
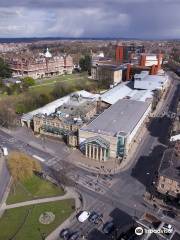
(170, 214)
(108, 227)
(64, 234)
(95, 217)
(83, 216)
(168, 226)
(74, 236)
(4, 151)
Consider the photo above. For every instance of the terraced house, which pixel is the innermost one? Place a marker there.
(169, 180)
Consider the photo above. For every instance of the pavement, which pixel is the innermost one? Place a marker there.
(4, 177)
(55, 234)
(68, 195)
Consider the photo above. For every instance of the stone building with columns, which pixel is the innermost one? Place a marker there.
(113, 132)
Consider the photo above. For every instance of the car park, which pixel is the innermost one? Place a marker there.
(83, 216)
(108, 227)
(64, 234)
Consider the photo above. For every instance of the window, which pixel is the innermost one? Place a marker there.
(162, 185)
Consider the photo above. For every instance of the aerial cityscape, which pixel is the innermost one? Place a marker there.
(89, 120)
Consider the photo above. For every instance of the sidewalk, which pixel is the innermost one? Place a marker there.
(69, 194)
(55, 234)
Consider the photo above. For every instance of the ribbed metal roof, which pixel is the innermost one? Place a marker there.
(122, 116)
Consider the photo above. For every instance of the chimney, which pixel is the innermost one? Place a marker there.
(128, 72)
(143, 60)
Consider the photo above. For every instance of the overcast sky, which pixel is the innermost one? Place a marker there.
(90, 18)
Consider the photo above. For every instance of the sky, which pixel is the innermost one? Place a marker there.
(145, 19)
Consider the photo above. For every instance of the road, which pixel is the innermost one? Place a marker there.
(119, 198)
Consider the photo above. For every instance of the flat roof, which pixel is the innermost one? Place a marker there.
(125, 90)
(122, 116)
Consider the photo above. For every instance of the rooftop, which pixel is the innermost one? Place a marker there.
(151, 82)
(122, 116)
(125, 90)
(110, 66)
(51, 107)
(170, 165)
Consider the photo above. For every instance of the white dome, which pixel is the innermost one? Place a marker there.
(48, 54)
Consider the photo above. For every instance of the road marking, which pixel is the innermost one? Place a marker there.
(38, 158)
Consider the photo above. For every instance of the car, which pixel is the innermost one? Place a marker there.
(74, 236)
(108, 227)
(83, 216)
(167, 226)
(95, 217)
(64, 234)
(170, 214)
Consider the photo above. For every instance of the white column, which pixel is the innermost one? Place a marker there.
(97, 154)
(86, 146)
(100, 154)
(93, 156)
(89, 151)
(104, 154)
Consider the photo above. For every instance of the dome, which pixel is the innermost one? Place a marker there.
(48, 54)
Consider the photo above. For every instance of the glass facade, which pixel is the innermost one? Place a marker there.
(54, 130)
(120, 146)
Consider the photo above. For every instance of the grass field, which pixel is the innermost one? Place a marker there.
(23, 223)
(74, 80)
(63, 78)
(33, 188)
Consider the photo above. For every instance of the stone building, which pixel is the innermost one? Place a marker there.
(44, 65)
(107, 74)
(67, 119)
(168, 176)
(113, 132)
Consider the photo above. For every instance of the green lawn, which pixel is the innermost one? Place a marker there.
(33, 188)
(47, 85)
(23, 223)
(63, 78)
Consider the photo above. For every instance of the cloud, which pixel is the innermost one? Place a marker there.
(90, 18)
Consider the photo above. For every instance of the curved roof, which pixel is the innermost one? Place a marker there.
(51, 107)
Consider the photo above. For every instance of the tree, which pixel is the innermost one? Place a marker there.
(22, 166)
(27, 82)
(5, 71)
(1, 83)
(85, 63)
(61, 89)
(8, 117)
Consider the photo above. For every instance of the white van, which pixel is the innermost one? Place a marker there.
(5, 151)
(83, 216)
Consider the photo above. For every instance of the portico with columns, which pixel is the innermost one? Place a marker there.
(96, 148)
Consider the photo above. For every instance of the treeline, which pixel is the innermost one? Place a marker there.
(12, 107)
(22, 100)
